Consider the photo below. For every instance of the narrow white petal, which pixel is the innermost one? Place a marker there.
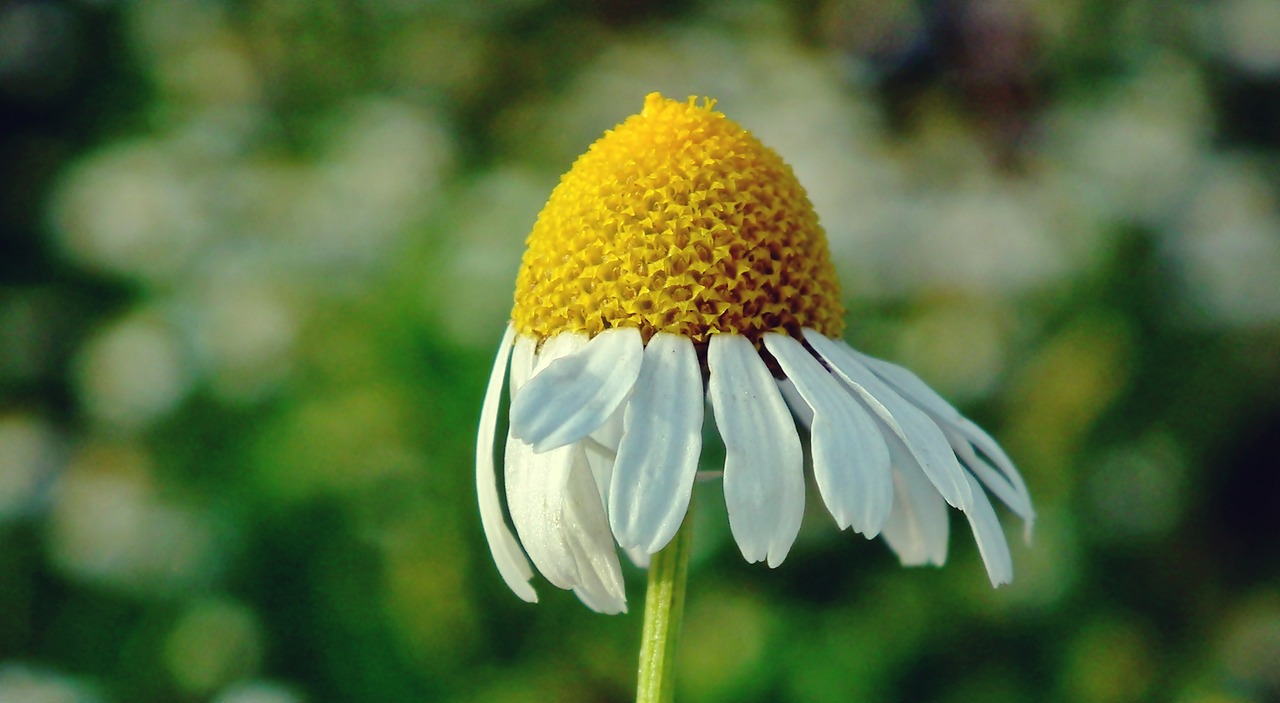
(511, 561)
(960, 431)
(918, 526)
(661, 442)
(799, 408)
(639, 557)
(601, 447)
(523, 358)
(850, 458)
(536, 482)
(586, 531)
(568, 399)
(918, 432)
(990, 537)
(536, 490)
(988, 446)
(764, 463)
(909, 384)
(993, 480)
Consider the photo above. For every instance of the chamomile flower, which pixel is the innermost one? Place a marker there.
(679, 267)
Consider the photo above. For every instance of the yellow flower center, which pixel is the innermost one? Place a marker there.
(678, 220)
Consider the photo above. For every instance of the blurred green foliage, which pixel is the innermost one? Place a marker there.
(257, 256)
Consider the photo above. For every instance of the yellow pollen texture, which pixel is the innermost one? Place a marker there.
(678, 220)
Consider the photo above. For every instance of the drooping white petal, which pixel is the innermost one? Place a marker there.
(988, 446)
(555, 505)
(850, 458)
(993, 480)
(917, 528)
(799, 408)
(537, 485)
(639, 557)
(909, 385)
(918, 432)
(523, 358)
(601, 447)
(568, 399)
(960, 431)
(764, 464)
(511, 561)
(661, 442)
(586, 531)
(990, 537)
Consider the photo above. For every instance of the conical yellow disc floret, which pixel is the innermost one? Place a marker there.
(678, 220)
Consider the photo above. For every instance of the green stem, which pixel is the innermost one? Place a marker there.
(663, 611)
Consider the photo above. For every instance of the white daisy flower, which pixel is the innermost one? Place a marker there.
(679, 266)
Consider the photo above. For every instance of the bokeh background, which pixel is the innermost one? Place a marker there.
(257, 256)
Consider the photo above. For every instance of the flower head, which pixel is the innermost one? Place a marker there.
(679, 264)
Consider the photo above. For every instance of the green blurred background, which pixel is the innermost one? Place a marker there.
(257, 256)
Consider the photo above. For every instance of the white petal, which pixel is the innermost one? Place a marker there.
(909, 384)
(639, 557)
(918, 432)
(511, 561)
(523, 358)
(568, 399)
(990, 537)
(764, 463)
(556, 508)
(661, 442)
(918, 527)
(601, 447)
(586, 531)
(799, 408)
(994, 480)
(988, 446)
(960, 431)
(850, 458)
(537, 485)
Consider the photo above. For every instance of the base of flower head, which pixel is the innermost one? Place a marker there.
(606, 434)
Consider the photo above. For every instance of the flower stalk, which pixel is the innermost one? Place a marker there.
(663, 613)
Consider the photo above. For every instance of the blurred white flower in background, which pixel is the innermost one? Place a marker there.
(30, 454)
(20, 683)
(1136, 148)
(110, 525)
(1244, 32)
(133, 209)
(470, 294)
(1225, 247)
(258, 691)
(133, 372)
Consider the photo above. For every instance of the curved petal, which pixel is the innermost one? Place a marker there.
(962, 432)
(988, 446)
(918, 432)
(850, 458)
(799, 408)
(661, 442)
(537, 483)
(993, 480)
(511, 561)
(987, 532)
(586, 531)
(764, 464)
(568, 399)
(601, 447)
(918, 527)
